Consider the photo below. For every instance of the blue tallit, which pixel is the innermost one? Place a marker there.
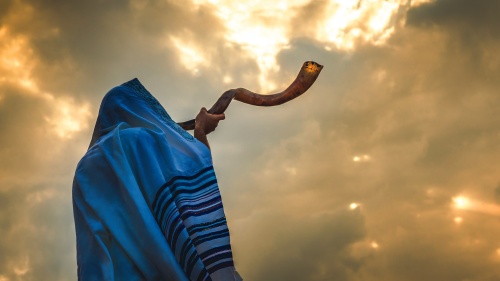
(145, 198)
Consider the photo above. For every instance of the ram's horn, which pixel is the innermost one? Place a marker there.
(307, 75)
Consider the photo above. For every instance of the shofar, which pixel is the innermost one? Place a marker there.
(307, 75)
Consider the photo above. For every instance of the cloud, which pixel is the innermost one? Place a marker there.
(420, 104)
(37, 238)
(469, 17)
(36, 215)
(497, 193)
(421, 108)
(288, 253)
(40, 143)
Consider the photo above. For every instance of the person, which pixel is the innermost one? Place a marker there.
(146, 201)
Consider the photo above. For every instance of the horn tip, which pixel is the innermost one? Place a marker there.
(313, 66)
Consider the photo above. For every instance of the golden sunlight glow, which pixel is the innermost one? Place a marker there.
(190, 56)
(353, 206)
(419, 2)
(227, 79)
(465, 203)
(461, 202)
(69, 118)
(16, 61)
(23, 267)
(361, 158)
(380, 19)
(374, 245)
(259, 27)
(349, 23)
(264, 28)
(487, 208)
(458, 220)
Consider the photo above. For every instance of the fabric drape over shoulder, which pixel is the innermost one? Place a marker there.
(145, 198)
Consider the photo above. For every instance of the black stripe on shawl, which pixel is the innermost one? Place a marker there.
(188, 245)
(200, 197)
(180, 226)
(187, 211)
(188, 214)
(201, 182)
(214, 259)
(178, 178)
(207, 225)
(210, 236)
(171, 199)
(191, 262)
(176, 235)
(176, 188)
(220, 266)
(204, 276)
(168, 229)
(212, 251)
(188, 207)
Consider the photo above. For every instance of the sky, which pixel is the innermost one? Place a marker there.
(386, 169)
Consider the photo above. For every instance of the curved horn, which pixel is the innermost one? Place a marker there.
(307, 75)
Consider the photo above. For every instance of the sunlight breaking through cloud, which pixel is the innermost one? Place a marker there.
(16, 61)
(261, 28)
(349, 23)
(361, 158)
(190, 56)
(17, 64)
(264, 28)
(465, 203)
(68, 118)
(461, 202)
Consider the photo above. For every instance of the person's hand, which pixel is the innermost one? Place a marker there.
(206, 123)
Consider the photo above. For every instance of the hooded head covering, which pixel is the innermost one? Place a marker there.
(145, 198)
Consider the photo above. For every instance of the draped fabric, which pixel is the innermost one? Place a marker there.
(145, 198)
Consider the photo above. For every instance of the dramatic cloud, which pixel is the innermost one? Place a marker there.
(387, 169)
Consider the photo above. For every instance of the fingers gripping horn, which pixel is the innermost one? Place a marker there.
(306, 77)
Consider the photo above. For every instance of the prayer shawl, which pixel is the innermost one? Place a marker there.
(145, 198)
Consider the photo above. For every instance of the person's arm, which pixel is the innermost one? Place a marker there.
(205, 123)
